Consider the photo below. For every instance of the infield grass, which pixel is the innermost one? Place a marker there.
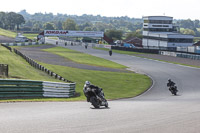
(115, 84)
(83, 58)
(30, 36)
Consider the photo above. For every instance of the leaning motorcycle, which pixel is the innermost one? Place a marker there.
(94, 99)
(173, 90)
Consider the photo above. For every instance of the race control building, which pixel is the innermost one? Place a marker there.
(159, 31)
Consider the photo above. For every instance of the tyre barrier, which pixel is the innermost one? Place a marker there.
(10, 88)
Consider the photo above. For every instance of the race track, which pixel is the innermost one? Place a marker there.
(155, 111)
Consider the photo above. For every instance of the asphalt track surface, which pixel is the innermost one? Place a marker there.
(155, 111)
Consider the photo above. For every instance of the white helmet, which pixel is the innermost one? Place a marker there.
(87, 82)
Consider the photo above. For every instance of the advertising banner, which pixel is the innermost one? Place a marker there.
(73, 33)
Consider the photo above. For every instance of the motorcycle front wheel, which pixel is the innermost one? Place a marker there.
(94, 102)
(106, 104)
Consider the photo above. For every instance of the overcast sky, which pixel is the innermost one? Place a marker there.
(178, 9)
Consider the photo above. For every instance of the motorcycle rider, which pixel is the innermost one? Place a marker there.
(171, 84)
(110, 52)
(88, 86)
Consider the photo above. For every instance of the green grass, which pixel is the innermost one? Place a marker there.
(7, 33)
(11, 34)
(115, 84)
(31, 36)
(83, 58)
(20, 69)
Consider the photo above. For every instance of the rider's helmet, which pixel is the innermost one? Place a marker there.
(169, 80)
(87, 82)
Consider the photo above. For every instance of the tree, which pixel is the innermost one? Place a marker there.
(2, 19)
(136, 33)
(114, 34)
(49, 26)
(19, 19)
(187, 31)
(87, 29)
(36, 27)
(69, 24)
(59, 25)
(11, 20)
(83, 26)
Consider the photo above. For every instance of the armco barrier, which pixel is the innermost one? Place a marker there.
(40, 67)
(152, 51)
(10, 88)
(37, 65)
(22, 44)
(182, 55)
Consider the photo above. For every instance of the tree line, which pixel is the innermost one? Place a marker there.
(117, 27)
(11, 20)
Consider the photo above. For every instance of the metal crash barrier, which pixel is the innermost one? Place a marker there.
(10, 88)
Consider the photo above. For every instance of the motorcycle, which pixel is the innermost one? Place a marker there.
(96, 100)
(173, 89)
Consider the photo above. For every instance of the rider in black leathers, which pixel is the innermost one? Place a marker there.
(171, 84)
(87, 86)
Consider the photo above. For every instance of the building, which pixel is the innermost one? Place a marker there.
(159, 31)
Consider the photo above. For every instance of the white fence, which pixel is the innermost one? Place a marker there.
(22, 44)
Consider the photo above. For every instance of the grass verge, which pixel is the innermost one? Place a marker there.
(31, 36)
(20, 69)
(7, 33)
(115, 84)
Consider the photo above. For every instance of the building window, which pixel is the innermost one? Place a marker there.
(180, 40)
(156, 25)
(146, 21)
(158, 29)
(155, 38)
(158, 21)
(165, 25)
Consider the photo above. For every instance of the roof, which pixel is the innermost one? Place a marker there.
(131, 39)
(171, 34)
(158, 17)
(196, 43)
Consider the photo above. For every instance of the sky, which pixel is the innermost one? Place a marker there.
(178, 9)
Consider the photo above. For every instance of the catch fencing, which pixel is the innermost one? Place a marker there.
(10, 88)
